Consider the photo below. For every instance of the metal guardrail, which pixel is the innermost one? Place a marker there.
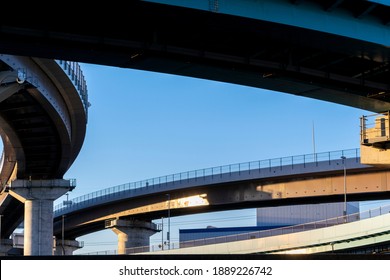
(281, 163)
(375, 128)
(259, 234)
(73, 70)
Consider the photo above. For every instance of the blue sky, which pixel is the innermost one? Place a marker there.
(145, 124)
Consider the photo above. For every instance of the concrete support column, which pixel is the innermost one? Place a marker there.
(132, 233)
(38, 235)
(5, 246)
(67, 247)
(38, 197)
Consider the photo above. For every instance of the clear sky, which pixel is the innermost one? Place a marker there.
(145, 124)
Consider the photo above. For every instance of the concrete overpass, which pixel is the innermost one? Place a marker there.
(355, 233)
(305, 179)
(329, 50)
(43, 117)
(325, 49)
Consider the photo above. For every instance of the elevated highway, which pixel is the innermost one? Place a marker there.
(43, 118)
(359, 233)
(336, 51)
(302, 179)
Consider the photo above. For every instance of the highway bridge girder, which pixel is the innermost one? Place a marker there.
(239, 195)
(229, 48)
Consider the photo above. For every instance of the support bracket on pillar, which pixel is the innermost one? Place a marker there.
(40, 189)
(38, 197)
(132, 224)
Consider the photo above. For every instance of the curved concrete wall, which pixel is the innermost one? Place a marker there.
(58, 95)
(345, 236)
(42, 124)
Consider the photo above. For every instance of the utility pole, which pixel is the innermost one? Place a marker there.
(63, 235)
(345, 187)
(162, 233)
(169, 221)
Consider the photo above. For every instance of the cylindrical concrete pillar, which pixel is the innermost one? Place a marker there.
(123, 239)
(38, 227)
(132, 238)
(132, 233)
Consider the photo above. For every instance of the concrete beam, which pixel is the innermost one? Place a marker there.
(375, 156)
(329, 185)
(300, 13)
(259, 193)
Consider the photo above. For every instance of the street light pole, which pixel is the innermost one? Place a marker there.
(63, 235)
(345, 187)
(162, 233)
(169, 221)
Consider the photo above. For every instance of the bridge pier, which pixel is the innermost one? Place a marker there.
(375, 139)
(5, 246)
(132, 233)
(38, 197)
(66, 247)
